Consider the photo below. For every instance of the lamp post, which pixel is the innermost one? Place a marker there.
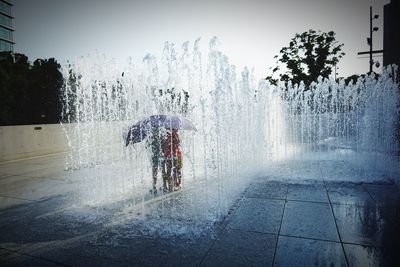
(369, 40)
(336, 68)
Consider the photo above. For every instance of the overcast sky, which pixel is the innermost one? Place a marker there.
(251, 32)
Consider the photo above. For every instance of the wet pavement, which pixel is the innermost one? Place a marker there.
(271, 223)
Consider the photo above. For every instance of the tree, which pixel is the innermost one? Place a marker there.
(30, 94)
(14, 86)
(46, 83)
(309, 55)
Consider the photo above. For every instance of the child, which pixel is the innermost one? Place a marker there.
(172, 165)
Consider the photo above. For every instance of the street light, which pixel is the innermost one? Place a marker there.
(369, 40)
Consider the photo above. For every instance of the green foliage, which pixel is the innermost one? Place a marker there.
(309, 55)
(353, 78)
(29, 93)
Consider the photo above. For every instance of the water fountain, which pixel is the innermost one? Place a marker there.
(245, 128)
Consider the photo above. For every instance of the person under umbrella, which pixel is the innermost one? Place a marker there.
(154, 142)
(161, 134)
(172, 164)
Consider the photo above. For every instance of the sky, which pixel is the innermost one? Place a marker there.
(250, 32)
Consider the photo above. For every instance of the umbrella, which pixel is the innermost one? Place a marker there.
(141, 129)
(176, 122)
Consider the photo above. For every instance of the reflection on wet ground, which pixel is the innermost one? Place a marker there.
(273, 223)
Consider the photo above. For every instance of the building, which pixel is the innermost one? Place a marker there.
(391, 34)
(6, 26)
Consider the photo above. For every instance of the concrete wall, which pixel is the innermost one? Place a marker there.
(17, 142)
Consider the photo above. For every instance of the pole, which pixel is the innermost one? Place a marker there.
(371, 62)
(335, 72)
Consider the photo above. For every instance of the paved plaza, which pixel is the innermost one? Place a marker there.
(271, 223)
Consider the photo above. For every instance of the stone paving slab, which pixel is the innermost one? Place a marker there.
(17, 259)
(384, 195)
(20, 167)
(258, 215)
(307, 252)
(241, 248)
(366, 225)
(6, 202)
(307, 192)
(309, 220)
(269, 189)
(348, 193)
(365, 256)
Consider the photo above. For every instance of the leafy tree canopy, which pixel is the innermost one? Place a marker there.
(309, 55)
(30, 93)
